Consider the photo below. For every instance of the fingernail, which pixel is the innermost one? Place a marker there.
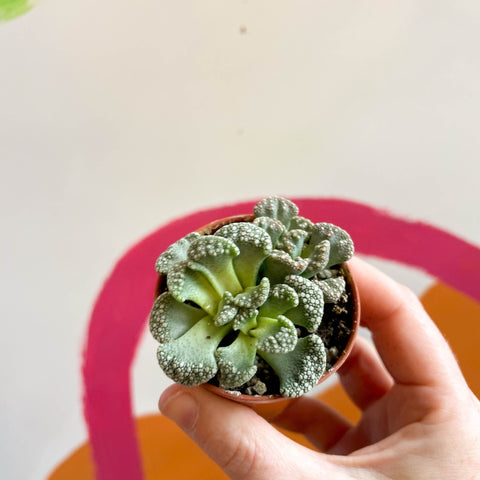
(179, 406)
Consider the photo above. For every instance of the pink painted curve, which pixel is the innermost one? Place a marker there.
(122, 307)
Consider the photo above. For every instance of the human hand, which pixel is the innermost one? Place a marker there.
(419, 418)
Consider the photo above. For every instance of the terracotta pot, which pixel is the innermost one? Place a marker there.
(270, 406)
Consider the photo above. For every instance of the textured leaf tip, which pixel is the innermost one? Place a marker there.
(301, 369)
(175, 253)
(276, 207)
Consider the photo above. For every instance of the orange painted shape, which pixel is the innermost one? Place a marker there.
(168, 453)
(458, 317)
(78, 466)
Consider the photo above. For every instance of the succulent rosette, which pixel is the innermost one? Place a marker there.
(251, 293)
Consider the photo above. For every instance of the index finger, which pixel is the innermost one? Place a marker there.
(408, 341)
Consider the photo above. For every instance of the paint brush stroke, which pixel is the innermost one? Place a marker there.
(122, 307)
(10, 9)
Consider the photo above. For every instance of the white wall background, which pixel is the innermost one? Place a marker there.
(118, 115)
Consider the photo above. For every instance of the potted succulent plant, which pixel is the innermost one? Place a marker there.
(260, 306)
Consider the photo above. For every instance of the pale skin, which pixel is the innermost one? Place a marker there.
(419, 418)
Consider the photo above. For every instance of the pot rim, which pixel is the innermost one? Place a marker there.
(253, 400)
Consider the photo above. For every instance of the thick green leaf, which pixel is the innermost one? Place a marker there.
(245, 320)
(170, 319)
(318, 259)
(309, 311)
(280, 299)
(254, 244)
(275, 335)
(280, 264)
(276, 207)
(275, 228)
(213, 257)
(236, 362)
(332, 288)
(175, 253)
(292, 242)
(253, 297)
(190, 359)
(341, 245)
(227, 310)
(187, 284)
(301, 223)
(301, 369)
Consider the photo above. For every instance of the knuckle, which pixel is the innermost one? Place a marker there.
(243, 458)
(407, 301)
(409, 295)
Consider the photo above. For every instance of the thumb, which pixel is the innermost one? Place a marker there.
(242, 443)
